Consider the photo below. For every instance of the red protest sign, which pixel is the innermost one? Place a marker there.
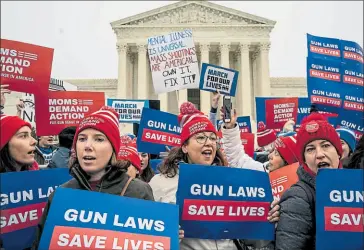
(25, 67)
(282, 179)
(61, 109)
(280, 110)
(247, 139)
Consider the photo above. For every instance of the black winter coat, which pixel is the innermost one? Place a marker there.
(296, 227)
(113, 182)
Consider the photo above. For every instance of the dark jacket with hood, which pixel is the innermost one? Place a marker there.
(296, 227)
(112, 182)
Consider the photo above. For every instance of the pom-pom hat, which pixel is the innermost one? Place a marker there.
(128, 151)
(105, 120)
(348, 136)
(193, 121)
(265, 136)
(286, 146)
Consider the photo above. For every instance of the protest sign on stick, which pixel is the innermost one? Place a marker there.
(25, 67)
(173, 61)
(96, 221)
(23, 198)
(218, 79)
(280, 110)
(228, 203)
(339, 209)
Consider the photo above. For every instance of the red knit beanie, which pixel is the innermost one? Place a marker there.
(128, 151)
(286, 146)
(316, 127)
(105, 120)
(193, 121)
(265, 136)
(9, 125)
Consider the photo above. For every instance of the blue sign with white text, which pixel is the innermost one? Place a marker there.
(339, 209)
(219, 206)
(108, 221)
(324, 47)
(157, 130)
(23, 198)
(218, 79)
(130, 111)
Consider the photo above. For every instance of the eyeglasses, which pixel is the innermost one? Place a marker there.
(202, 139)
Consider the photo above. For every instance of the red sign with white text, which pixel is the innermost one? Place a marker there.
(25, 67)
(61, 109)
(247, 139)
(282, 179)
(280, 110)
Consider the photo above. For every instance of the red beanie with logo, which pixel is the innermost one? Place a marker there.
(128, 151)
(316, 127)
(193, 121)
(286, 146)
(105, 120)
(265, 136)
(9, 125)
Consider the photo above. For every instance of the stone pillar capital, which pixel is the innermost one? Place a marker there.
(264, 47)
(244, 47)
(204, 47)
(122, 47)
(142, 48)
(224, 47)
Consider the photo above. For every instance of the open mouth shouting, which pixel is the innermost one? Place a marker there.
(88, 159)
(207, 153)
(323, 164)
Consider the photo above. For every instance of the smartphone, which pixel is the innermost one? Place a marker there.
(227, 108)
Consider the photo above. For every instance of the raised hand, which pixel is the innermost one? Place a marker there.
(232, 122)
(4, 90)
(215, 100)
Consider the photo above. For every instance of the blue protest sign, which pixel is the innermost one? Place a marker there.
(23, 198)
(351, 51)
(339, 209)
(218, 79)
(157, 130)
(227, 203)
(324, 86)
(244, 124)
(130, 111)
(324, 47)
(103, 221)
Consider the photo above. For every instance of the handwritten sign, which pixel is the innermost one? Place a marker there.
(157, 129)
(130, 111)
(23, 198)
(282, 179)
(95, 221)
(61, 109)
(218, 79)
(25, 67)
(219, 206)
(173, 61)
(339, 209)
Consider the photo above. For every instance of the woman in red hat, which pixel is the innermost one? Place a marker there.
(16, 145)
(318, 146)
(199, 146)
(94, 164)
(283, 153)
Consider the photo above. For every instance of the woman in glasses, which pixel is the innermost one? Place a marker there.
(199, 146)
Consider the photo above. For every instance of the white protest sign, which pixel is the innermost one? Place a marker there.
(173, 61)
(28, 112)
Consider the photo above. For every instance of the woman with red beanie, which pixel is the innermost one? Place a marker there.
(318, 146)
(283, 153)
(94, 164)
(16, 145)
(199, 145)
(128, 155)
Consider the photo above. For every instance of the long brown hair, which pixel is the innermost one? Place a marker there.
(169, 166)
(8, 163)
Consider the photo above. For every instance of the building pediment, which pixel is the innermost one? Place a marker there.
(192, 12)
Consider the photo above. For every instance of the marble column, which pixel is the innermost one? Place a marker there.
(224, 53)
(122, 75)
(264, 67)
(256, 83)
(246, 92)
(205, 96)
(142, 72)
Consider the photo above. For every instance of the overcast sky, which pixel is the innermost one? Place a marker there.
(84, 42)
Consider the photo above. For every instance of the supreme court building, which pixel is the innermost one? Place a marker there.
(223, 36)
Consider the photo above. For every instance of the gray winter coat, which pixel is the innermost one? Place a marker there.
(296, 227)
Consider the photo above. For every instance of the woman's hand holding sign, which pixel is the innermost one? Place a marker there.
(273, 215)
